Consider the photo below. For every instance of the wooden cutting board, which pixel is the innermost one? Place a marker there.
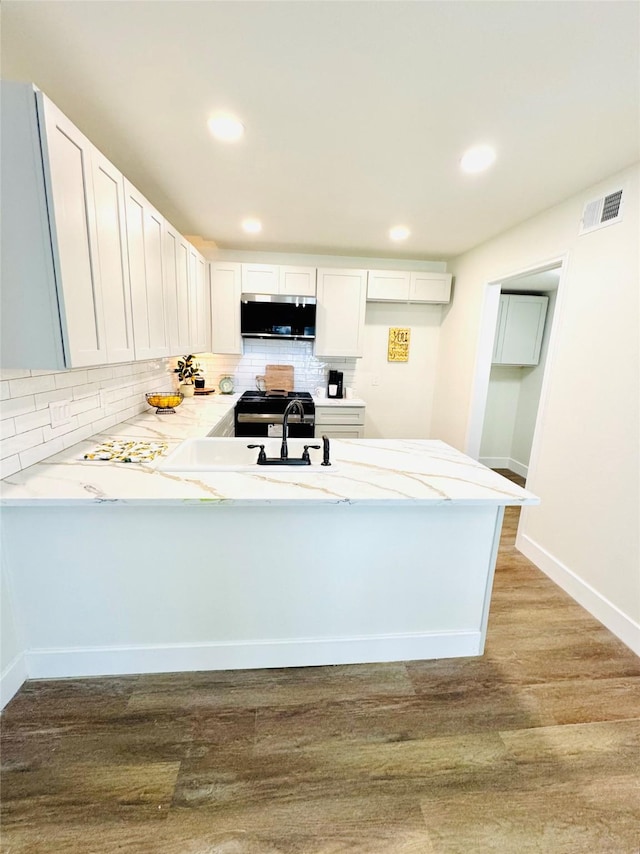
(278, 377)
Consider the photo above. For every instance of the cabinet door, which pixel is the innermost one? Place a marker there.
(260, 279)
(226, 291)
(340, 415)
(521, 330)
(298, 281)
(176, 277)
(144, 245)
(430, 287)
(340, 312)
(388, 286)
(337, 431)
(108, 189)
(68, 180)
(198, 303)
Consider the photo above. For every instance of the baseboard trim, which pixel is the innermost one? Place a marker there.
(171, 658)
(12, 678)
(505, 463)
(518, 468)
(597, 605)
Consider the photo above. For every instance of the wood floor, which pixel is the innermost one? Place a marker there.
(534, 747)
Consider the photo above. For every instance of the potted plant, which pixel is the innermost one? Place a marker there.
(187, 369)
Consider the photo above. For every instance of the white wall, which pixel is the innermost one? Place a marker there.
(399, 395)
(512, 407)
(12, 665)
(500, 416)
(585, 466)
(529, 396)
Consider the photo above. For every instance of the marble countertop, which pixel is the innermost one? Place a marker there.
(367, 471)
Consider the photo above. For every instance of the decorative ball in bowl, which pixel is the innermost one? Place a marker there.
(164, 401)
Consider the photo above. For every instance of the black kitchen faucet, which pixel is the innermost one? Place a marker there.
(284, 459)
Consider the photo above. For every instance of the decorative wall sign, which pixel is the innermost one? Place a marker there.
(398, 344)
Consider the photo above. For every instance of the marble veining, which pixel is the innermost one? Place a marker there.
(370, 471)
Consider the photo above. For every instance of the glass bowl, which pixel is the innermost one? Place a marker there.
(164, 401)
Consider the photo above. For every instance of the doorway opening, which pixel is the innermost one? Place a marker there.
(515, 350)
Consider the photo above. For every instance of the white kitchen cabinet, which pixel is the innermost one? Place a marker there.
(430, 287)
(388, 285)
(340, 312)
(112, 258)
(226, 291)
(521, 319)
(65, 279)
(225, 427)
(260, 278)
(405, 286)
(274, 279)
(176, 277)
(68, 178)
(144, 243)
(340, 422)
(298, 281)
(199, 302)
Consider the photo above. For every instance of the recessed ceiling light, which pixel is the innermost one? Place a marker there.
(252, 226)
(399, 232)
(226, 128)
(477, 159)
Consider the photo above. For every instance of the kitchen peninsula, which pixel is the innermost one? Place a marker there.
(123, 568)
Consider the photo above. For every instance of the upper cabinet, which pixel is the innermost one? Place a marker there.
(199, 302)
(405, 286)
(275, 279)
(112, 258)
(67, 160)
(146, 271)
(340, 312)
(521, 319)
(176, 278)
(52, 314)
(298, 281)
(226, 291)
(91, 272)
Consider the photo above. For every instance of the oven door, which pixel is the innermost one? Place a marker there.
(270, 424)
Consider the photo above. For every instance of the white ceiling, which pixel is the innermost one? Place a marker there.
(356, 113)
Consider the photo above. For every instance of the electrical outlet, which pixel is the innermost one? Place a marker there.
(375, 379)
(59, 413)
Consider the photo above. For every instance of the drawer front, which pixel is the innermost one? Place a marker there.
(334, 431)
(340, 415)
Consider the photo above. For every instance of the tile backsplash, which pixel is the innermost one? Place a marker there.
(104, 396)
(98, 399)
(309, 372)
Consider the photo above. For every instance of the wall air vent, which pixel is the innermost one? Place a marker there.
(601, 212)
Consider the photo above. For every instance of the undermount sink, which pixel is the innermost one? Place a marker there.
(218, 454)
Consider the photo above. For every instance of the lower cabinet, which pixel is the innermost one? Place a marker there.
(224, 428)
(340, 422)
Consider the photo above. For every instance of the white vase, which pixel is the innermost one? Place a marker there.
(187, 389)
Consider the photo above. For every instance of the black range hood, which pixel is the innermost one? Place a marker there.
(278, 316)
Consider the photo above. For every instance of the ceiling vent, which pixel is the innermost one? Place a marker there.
(606, 210)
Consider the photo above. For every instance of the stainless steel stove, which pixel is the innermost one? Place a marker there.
(260, 413)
